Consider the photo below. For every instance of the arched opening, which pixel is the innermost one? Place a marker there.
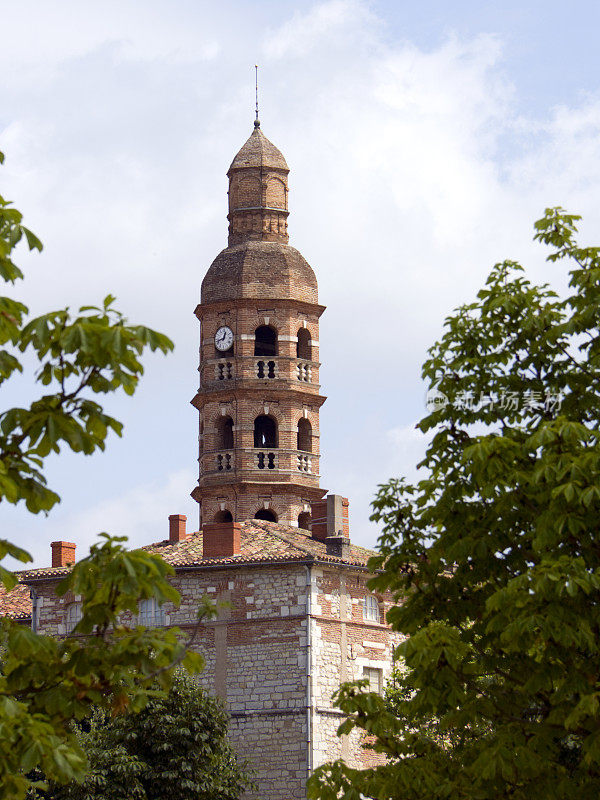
(265, 341)
(245, 192)
(266, 514)
(223, 516)
(265, 432)
(304, 435)
(275, 195)
(371, 608)
(224, 433)
(304, 520)
(304, 347)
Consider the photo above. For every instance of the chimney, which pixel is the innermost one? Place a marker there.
(221, 539)
(177, 528)
(330, 524)
(63, 554)
(330, 517)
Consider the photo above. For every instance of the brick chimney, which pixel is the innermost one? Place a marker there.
(63, 554)
(330, 517)
(330, 524)
(177, 528)
(221, 539)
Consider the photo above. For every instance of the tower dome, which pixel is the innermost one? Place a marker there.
(258, 151)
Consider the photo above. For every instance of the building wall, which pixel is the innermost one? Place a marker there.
(257, 655)
(344, 643)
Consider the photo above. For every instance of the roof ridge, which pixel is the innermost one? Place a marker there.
(283, 538)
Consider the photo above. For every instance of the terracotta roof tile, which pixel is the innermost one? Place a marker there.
(261, 541)
(15, 604)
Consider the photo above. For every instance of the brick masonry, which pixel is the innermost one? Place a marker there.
(258, 280)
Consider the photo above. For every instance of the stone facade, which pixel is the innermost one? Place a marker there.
(293, 629)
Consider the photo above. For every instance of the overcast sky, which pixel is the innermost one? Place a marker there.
(423, 141)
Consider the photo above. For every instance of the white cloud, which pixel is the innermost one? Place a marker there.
(412, 173)
(326, 23)
(140, 513)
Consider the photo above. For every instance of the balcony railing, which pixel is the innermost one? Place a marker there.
(285, 462)
(266, 369)
(304, 371)
(223, 370)
(304, 462)
(266, 459)
(224, 461)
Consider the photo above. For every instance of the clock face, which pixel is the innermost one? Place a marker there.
(223, 338)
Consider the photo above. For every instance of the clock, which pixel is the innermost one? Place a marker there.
(223, 338)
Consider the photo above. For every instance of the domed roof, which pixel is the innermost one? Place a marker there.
(259, 269)
(258, 152)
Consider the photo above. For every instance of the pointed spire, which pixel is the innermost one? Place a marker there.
(256, 120)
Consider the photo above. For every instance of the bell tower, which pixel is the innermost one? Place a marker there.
(258, 397)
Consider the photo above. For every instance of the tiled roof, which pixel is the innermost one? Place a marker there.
(260, 541)
(241, 270)
(17, 603)
(258, 151)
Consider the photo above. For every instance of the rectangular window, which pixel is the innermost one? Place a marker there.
(151, 615)
(73, 616)
(375, 678)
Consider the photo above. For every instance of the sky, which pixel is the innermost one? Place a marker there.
(423, 140)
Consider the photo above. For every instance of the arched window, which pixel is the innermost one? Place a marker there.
(224, 433)
(303, 347)
(304, 520)
(304, 435)
(265, 432)
(73, 616)
(371, 610)
(266, 514)
(223, 516)
(265, 341)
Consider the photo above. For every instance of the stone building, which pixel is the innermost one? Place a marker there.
(300, 619)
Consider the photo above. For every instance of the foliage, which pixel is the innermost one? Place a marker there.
(44, 682)
(176, 747)
(496, 556)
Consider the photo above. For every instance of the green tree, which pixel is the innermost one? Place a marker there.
(494, 556)
(46, 683)
(176, 747)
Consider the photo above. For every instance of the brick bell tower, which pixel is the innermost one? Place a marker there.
(259, 395)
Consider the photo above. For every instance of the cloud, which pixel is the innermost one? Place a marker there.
(140, 513)
(413, 171)
(331, 22)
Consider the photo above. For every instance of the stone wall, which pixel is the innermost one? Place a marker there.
(344, 644)
(257, 653)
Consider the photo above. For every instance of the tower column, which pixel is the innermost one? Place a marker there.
(259, 393)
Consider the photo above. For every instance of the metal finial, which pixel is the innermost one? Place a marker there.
(256, 121)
